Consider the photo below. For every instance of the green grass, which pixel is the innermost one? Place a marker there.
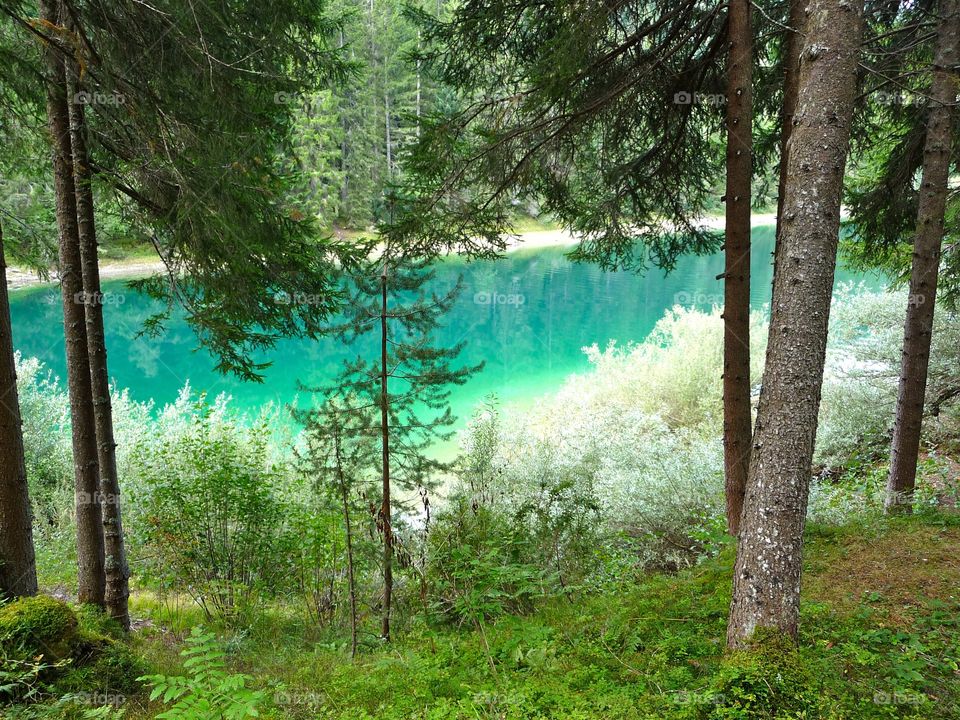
(879, 639)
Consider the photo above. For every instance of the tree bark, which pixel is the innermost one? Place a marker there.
(90, 551)
(386, 509)
(918, 327)
(18, 567)
(766, 583)
(117, 573)
(737, 421)
(791, 74)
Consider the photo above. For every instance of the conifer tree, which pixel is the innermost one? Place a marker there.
(89, 515)
(924, 273)
(401, 376)
(766, 582)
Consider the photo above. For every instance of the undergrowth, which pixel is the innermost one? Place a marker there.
(880, 638)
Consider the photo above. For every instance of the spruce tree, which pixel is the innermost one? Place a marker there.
(401, 376)
(924, 273)
(766, 581)
(89, 518)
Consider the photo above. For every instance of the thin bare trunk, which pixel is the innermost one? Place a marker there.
(18, 567)
(737, 422)
(419, 84)
(348, 526)
(345, 497)
(918, 327)
(344, 147)
(386, 110)
(90, 551)
(766, 582)
(386, 509)
(117, 591)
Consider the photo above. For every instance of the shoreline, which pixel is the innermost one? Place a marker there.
(19, 278)
(561, 238)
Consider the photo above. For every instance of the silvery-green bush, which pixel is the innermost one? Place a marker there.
(863, 368)
(635, 441)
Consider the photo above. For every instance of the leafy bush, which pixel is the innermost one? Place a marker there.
(478, 565)
(23, 680)
(208, 507)
(44, 409)
(674, 374)
(862, 372)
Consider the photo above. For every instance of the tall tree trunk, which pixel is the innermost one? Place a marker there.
(342, 110)
(793, 42)
(386, 509)
(18, 567)
(90, 552)
(766, 582)
(117, 590)
(737, 422)
(918, 327)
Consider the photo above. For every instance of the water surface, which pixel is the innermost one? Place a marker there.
(527, 317)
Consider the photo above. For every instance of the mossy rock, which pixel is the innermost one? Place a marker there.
(39, 625)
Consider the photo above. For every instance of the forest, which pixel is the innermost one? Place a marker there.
(479, 359)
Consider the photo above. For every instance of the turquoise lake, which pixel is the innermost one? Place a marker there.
(528, 316)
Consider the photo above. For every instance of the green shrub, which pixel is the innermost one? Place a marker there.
(208, 508)
(39, 626)
(207, 692)
(584, 470)
(477, 565)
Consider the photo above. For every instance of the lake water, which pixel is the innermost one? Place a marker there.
(527, 316)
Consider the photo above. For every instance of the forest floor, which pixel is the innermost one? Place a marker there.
(879, 638)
